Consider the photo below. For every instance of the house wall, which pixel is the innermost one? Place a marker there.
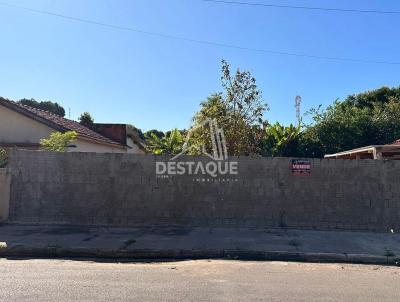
(17, 128)
(123, 190)
(87, 146)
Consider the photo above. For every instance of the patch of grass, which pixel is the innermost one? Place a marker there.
(295, 243)
(389, 252)
(3, 245)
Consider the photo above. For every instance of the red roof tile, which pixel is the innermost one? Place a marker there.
(57, 122)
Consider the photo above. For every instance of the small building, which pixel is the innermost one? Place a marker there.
(23, 126)
(391, 151)
(124, 134)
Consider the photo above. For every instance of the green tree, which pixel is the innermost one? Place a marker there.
(335, 129)
(370, 118)
(158, 133)
(170, 144)
(212, 108)
(45, 105)
(279, 140)
(86, 120)
(58, 142)
(386, 119)
(372, 98)
(238, 111)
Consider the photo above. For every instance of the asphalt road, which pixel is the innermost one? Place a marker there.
(64, 280)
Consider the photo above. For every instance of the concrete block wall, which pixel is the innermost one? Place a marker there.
(4, 194)
(123, 190)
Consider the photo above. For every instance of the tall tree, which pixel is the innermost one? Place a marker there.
(86, 120)
(373, 98)
(45, 105)
(370, 118)
(239, 110)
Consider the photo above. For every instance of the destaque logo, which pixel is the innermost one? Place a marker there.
(218, 165)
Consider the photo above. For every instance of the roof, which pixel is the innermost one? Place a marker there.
(57, 122)
(392, 148)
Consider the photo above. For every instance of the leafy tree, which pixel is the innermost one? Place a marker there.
(86, 120)
(238, 110)
(158, 133)
(279, 140)
(335, 129)
(46, 105)
(58, 142)
(170, 144)
(371, 118)
(386, 119)
(373, 98)
(212, 108)
(182, 132)
(3, 158)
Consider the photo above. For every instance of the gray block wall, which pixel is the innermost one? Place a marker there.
(123, 190)
(4, 194)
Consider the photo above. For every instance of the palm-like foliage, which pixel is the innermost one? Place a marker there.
(170, 144)
(280, 140)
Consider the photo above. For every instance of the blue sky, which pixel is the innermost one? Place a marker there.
(153, 82)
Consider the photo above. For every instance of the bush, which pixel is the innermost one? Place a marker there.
(58, 142)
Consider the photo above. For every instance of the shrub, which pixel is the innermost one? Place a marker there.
(58, 142)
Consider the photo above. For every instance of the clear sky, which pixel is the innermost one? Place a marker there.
(154, 82)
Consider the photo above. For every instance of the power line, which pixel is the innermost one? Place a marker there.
(330, 9)
(205, 42)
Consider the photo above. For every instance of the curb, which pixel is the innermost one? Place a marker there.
(159, 255)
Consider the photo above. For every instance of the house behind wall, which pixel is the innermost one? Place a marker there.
(23, 127)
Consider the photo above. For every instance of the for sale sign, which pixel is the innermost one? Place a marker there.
(301, 167)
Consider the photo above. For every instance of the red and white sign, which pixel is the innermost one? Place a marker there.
(301, 167)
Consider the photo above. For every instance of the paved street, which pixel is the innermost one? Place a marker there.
(65, 280)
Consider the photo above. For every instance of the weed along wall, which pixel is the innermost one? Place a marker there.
(124, 189)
